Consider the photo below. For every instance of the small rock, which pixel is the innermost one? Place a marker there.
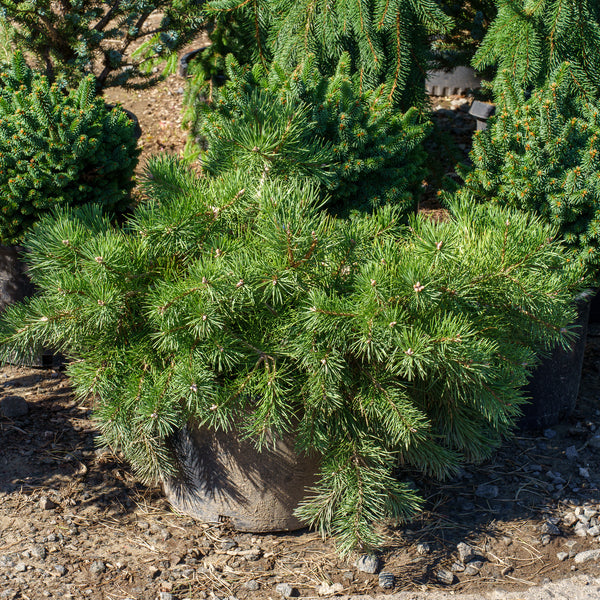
(228, 545)
(457, 567)
(473, 567)
(252, 585)
(549, 528)
(20, 567)
(367, 564)
(562, 556)
(549, 434)
(487, 491)
(284, 589)
(386, 580)
(97, 567)
(329, 590)
(46, 503)
(13, 407)
(589, 512)
(586, 556)
(571, 453)
(165, 596)
(594, 442)
(423, 548)
(583, 472)
(465, 552)
(507, 540)
(594, 531)
(38, 551)
(569, 519)
(545, 539)
(581, 529)
(445, 576)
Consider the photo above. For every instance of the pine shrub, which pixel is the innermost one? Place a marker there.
(387, 40)
(540, 154)
(121, 42)
(302, 122)
(58, 147)
(236, 303)
(532, 39)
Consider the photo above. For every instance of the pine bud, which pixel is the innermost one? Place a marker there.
(410, 352)
(439, 245)
(239, 284)
(204, 317)
(193, 387)
(99, 259)
(418, 287)
(66, 242)
(101, 303)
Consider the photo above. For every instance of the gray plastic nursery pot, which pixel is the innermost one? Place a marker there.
(459, 80)
(554, 384)
(225, 479)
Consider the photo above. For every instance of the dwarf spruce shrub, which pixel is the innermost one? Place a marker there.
(363, 151)
(541, 154)
(236, 303)
(58, 147)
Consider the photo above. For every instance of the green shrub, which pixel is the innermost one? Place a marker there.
(387, 40)
(532, 39)
(58, 147)
(541, 155)
(300, 122)
(238, 303)
(121, 42)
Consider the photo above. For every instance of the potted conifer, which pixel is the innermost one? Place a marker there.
(234, 303)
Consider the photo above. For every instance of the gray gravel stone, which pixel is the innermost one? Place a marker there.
(581, 529)
(457, 567)
(569, 519)
(583, 472)
(60, 570)
(549, 434)
(38, 551)
(97, 567)
(445, 576)
(284, 589)
(367, 564)
(593, 531)
(487, 491)
(328, 590)
(13, 407)
(252, 585)
(545, 539)
(46, 503)
(386, 580)
(562, 556)
(20, 567)
(549, 528)
(473, 567)
(465, 552)
(423, 548)
(571, 453)
(165, 596)
(586, 555)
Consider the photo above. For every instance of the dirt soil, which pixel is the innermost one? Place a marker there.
(74, 523)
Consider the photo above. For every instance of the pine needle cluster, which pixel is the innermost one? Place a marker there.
(387, 40)
(531, 39)
(121, 42)
(363, 151)
(237, 303)
(540, 154)
(58, 147)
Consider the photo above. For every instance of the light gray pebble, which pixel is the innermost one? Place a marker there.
(457, 567)
(46, 503)
(586, 556)
(594, 442)
(545, 539)
(165, 596)
(473, 567)
(589, 512)
(569, 519)
(20, 567)
(252, 585)
(38, 551)
(583, 472)
(97, 567)
(562, 556)
(367, 564)
(581, 530)
(487, 491)
(13, 407)
(593, 531)
(423, 548)
(60, 570)
(284, 589)
(549, 434)
(445, 576)
(465, 552)
(571, 453)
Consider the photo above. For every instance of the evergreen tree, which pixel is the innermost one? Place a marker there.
(540, 154)
(237, 303)
(301, 122)
(73, 38)
(387, 40)
(58, 146)
(531, 39)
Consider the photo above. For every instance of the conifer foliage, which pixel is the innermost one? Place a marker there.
(541, 154)
(364, 152)
(58, 147)
(236, 302)
(73, 38)
(530, 39)
(387, 40)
